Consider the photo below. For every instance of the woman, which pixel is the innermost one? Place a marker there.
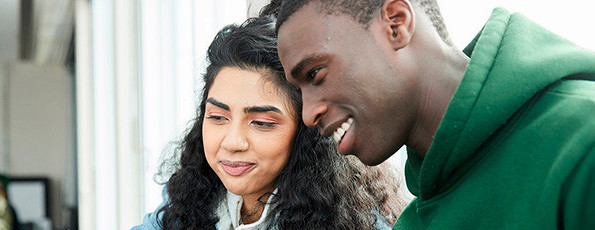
(249, 162)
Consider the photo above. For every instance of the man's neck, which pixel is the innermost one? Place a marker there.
(440, 76)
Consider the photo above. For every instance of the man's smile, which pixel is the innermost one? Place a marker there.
(340, 131)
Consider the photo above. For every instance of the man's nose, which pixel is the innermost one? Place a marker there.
(235, 140)
(312, 111)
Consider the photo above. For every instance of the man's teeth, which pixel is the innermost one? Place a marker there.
(338, 134)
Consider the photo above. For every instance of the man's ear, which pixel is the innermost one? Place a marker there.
(398, 16)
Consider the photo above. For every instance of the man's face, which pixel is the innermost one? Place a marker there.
(355, 86)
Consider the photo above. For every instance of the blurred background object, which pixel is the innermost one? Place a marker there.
(7, 215)
(37, 120)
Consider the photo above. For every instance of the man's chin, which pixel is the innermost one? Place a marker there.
(370, 159)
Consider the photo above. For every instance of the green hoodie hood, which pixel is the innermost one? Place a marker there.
(479, 108)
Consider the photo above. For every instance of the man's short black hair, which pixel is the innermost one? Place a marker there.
(361, 11)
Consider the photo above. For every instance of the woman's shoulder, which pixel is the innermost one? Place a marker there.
(150, 220)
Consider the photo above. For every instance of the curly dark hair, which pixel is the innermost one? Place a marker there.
(360, 10)
(317, 189)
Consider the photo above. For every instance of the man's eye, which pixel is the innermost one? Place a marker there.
(312, 73)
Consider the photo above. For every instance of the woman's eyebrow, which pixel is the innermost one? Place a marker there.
(262, 109)
(214, 102)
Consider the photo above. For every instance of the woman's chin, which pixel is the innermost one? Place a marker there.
(236, 190)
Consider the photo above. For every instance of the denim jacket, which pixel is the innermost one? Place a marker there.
(229, 216)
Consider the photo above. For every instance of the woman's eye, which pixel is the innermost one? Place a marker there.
(217, 118)
(263, 124)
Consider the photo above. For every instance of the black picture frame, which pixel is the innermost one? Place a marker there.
(44, 181)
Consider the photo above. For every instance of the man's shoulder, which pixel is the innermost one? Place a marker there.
(561, 118)
(580, 86)
(575, 97)
(566, 114)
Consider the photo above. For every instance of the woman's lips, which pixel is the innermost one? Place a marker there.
(236, 168)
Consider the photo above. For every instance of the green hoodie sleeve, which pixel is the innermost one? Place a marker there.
(578, 196)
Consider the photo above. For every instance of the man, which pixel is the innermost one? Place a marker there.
(499, 137)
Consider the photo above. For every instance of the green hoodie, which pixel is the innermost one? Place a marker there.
(516, 147)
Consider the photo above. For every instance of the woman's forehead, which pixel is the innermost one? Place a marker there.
(242, 87)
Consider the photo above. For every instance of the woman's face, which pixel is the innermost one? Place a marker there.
(248, 130)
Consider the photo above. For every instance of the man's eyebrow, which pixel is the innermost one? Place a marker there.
(262, 109)
(302, 64)
(217, 103)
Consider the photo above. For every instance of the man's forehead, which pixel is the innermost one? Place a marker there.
(314, 18)
(300, 35)
(302, 18)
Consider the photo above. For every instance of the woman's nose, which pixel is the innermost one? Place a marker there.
(235, 140)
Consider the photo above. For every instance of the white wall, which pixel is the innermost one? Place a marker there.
(9, 21)
(4, 165)
(107, 114)
(572, 19)
(40, 128)
(9, 18)
(254, 6)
